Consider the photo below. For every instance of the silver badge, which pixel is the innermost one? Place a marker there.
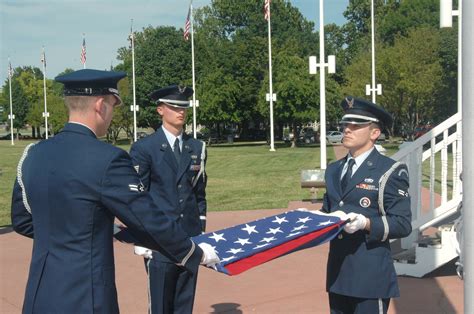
(181, 89)
(137, 168)
(368, 180)
(350, 103)
(370, 164)
(364, 202)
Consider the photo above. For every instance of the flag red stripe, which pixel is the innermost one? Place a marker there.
(263, 257)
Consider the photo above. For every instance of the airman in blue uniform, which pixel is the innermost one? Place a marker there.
(69, 190)
(372, 191)
(171, 165)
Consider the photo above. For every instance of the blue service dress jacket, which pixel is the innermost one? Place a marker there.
(67, 194)
(360, 264)
(185, 200)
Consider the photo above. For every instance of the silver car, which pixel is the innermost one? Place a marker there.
(334, 137)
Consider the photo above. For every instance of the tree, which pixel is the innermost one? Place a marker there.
(410, 73)
(20, 102)
(231, 41)
(162, 58)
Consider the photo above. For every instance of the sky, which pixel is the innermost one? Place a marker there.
(28, 25)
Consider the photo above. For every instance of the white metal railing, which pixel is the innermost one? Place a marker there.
(434, 147)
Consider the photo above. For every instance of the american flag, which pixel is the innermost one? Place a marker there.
(266, 9)
(10, 70)
(83, 52)
(187, 25)
(43, 58)
(247, 245)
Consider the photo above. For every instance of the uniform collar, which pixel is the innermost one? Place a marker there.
(359, 160)
(79, 128)
(171, 138)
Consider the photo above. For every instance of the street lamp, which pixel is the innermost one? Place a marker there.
(313, 69)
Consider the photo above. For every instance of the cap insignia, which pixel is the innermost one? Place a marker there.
(350, 103)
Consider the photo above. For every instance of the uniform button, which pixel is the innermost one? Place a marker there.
(179, 186)
(181, 200)
(341, 203)
(340, 236)
(181, 215)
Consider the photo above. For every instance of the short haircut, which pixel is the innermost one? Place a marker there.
(375, 125)
(79, 103)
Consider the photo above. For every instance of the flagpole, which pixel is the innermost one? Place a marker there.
(10, 73)
(194, 76)
(45, 113)
(272, 142)
(134, 108)
(322, 87)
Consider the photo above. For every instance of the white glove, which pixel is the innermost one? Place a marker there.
(209, 256)
(143, 251)
(358, 222)
(339, 213)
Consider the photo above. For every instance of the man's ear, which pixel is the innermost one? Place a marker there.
(100, 107)
(159, 109)
(375, 134)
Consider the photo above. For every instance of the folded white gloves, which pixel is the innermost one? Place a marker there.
(209, 256)
(358, 222)
(143, 251)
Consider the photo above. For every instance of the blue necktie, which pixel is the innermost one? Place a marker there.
(347, 176)
(176, 150)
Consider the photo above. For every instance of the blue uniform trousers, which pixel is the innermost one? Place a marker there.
(171, 288)
(342, 304)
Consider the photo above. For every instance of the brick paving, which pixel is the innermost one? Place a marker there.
(291, 284)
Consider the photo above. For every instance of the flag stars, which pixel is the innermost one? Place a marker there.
(250, 229)
(268, 239)
(243, 241)
(279, 220)
(299, 228)
(325, 223)
(260, 246)
(274, 230)
(227, 259)
(304, 220)
(235, 251)
(217, 237)
(293, 234)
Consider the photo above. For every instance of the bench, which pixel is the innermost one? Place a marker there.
(313, 179)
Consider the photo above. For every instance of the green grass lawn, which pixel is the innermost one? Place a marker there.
(243, 176)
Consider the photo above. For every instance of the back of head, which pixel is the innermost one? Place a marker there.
(83, 85)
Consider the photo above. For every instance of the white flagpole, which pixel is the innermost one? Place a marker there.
(10, 73)
(322, 87)
(194, 76)
(272, 142)
(45, 113)
(134, 108)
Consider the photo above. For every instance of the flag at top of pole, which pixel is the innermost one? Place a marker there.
(267, 9)
(187, 25)
(83, 52)
(10, 70)
(43, 58)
